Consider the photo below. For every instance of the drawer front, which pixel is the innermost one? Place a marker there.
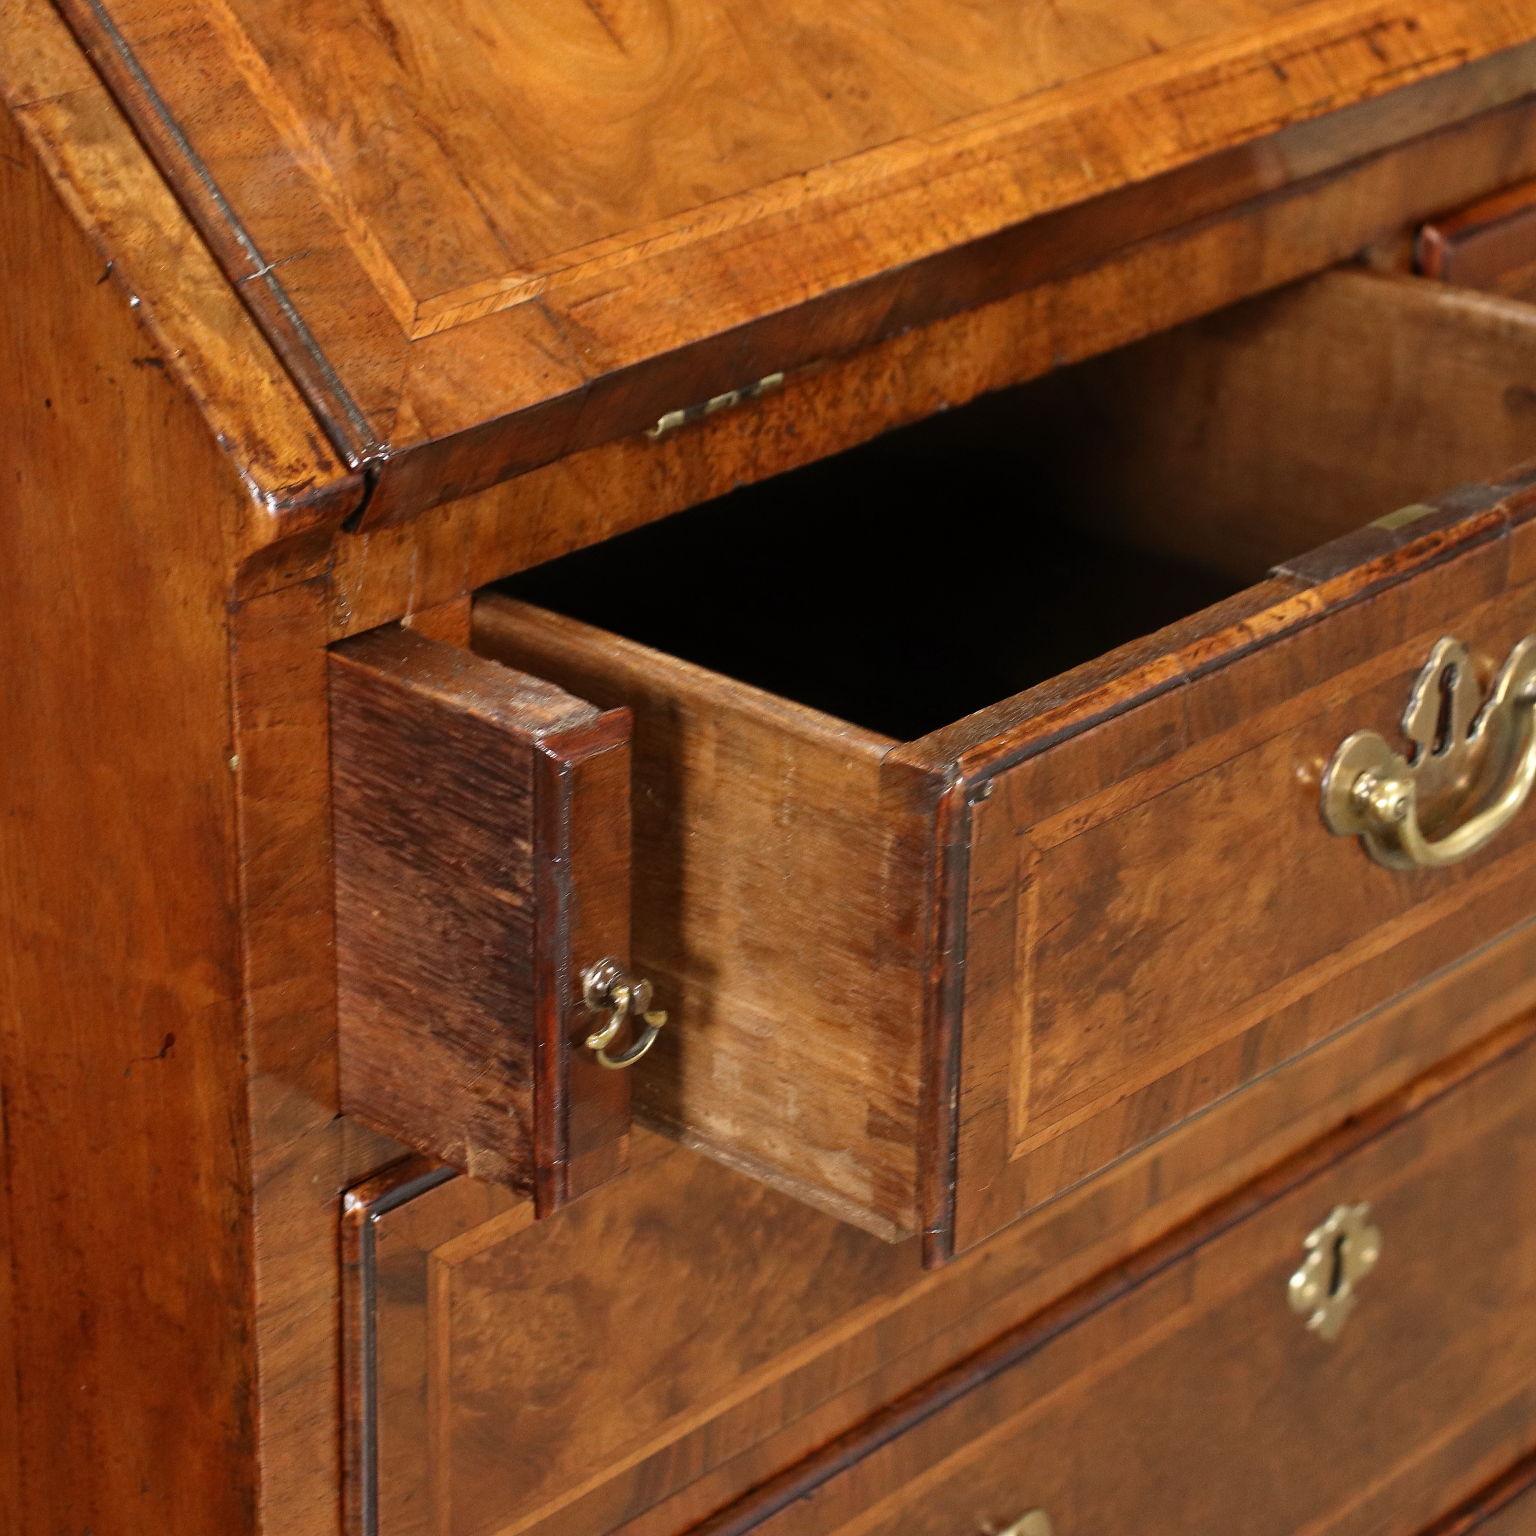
(1198, 1392)
(1155, 913)
(481, 825)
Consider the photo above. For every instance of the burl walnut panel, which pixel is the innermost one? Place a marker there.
(481, 829)
(735, 1330)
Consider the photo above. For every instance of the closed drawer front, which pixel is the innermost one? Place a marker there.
(698, 1332)
(1190, 1395)
(930, 959)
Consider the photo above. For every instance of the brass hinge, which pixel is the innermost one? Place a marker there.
(669, 423)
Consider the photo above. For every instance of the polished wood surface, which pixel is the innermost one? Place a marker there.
(127, 1236)
(479, 257)
(481, 839)
(1254, 245)
(174, 1156)
(811, 1046)
(748, 811)
(1194, 490)
(193, 322)
(471, 1300)
(1180, 1393)
(1489, 245)
(1154, 912)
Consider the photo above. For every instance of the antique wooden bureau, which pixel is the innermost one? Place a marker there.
(765, 769)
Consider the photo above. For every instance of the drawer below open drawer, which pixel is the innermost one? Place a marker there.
(1348, 1347)
(726, 1332)
(978, 775)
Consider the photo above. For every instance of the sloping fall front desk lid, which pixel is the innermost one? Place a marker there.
(483, 234)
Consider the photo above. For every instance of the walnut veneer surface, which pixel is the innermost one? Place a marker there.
(484, 236)
(319, 319)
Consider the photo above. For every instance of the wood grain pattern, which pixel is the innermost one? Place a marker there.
(748, 813)
(194, 323)
(154, 446)
(844, 1324)
(468, 287)
(177, 868)
(1043, 830)
(1488, 245)
(1146, 287)
(1128, 1004)
(1425, 1394)
(129, 1241)
(481, 823)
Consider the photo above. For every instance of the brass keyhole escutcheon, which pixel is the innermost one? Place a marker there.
(1033, 1523)
(607, 989)
(1339, 1254)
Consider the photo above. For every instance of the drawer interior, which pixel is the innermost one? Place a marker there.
(938, 569)
(899, 586)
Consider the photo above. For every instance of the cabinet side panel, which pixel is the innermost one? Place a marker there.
(435, 920)
(129, 1253)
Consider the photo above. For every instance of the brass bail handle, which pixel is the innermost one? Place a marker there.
(1382, 796)
(606, 988)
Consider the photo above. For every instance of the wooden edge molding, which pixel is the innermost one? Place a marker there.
(1496, 1499)
(362, 1209)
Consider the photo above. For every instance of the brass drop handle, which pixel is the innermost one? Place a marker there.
(606, 988)
(1459, 741)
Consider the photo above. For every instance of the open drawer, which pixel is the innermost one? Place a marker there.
(929, 959)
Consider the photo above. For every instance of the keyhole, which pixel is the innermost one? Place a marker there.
(1336, 1268)
(1447, 715)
